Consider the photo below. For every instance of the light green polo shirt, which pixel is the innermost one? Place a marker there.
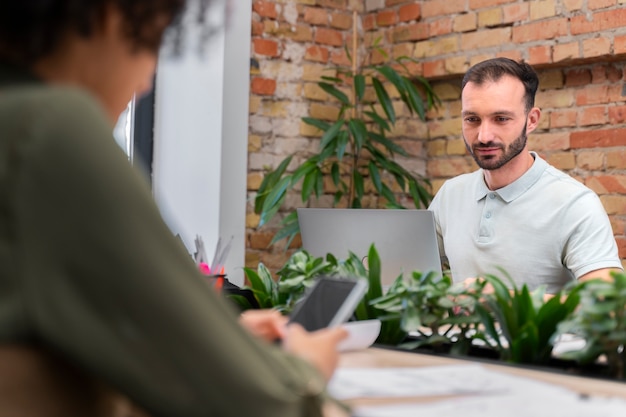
(545, 228)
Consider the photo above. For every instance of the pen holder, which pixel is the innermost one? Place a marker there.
(217, 281)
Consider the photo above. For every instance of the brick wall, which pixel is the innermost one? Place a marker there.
(577, 46)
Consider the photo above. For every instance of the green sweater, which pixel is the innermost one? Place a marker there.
(89, 269)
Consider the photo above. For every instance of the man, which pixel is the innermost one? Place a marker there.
(517, 212)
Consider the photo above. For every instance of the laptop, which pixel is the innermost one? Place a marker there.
(406, 240)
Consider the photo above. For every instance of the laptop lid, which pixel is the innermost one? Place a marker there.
(406, 240)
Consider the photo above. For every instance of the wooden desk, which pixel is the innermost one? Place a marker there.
(376, 357)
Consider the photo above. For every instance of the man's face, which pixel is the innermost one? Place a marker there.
(495, 121)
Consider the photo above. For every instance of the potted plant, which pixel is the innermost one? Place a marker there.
(525, 321)
(355, 153)
(601, 321)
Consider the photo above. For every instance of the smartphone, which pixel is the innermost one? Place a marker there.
(329, 302)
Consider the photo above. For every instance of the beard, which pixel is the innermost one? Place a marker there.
(491, 162)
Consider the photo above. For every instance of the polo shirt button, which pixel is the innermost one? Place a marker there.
(488, 215)
(492, 196)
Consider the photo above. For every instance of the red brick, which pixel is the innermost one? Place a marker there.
(329, 37)
(316, 53)
(541, 54)
(379, 56)
(593, 94)
(340, 57)
(612, 183)
(265, 9)
(263, 86)
(512, 13)
(434, 68)
(545, 29)
(257, 28)
(563, 118)
(599, 22)
(409, 12)
(577, 77)
(592, 116)
(599, 4)
(333, 4)
(621, 246)
(619, 45)
(441, 27)
(315, 16)
(265, 47)
(386, 18)
(369, 22)
(390, 3)
(341, 20)
(302, 33)
(479, 4)
(412, 32)
(617, 114)
(442, 8)
(598, 138)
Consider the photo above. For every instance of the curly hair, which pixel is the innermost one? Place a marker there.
(31, 29)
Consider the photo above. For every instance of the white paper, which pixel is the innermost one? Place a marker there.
(349, 383)
(563, 404)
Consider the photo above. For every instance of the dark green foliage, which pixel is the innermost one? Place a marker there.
(601, 321)
(524, 321)
(354, 150)
(432, 306)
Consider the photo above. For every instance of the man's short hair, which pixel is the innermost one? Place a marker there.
(494, 69)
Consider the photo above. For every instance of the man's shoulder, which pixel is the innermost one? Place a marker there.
(556, 177)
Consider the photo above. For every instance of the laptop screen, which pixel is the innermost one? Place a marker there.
(406, 240)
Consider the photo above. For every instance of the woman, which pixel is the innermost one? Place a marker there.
(92, 280)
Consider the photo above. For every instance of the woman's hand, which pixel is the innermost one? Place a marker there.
(319, 348)
(266, 324)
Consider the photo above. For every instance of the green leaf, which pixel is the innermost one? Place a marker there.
(388, 144)
(375, 176)
(320, 124)
(415, 101)
(384, 100)
(331, 133)
(274, 200)
(395, 78)
(359, 132)
(334, 173)
(319, 184)
(335, 92)
(382, 123)
(359, 189)
(309, 183)
(359, 86)
(290, 229)
(342, 142)
(269, 181)
(375, 288)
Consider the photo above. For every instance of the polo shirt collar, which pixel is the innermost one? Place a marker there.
(517, 187)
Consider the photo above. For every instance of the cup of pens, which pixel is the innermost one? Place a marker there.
(217, 280)
(214, 271)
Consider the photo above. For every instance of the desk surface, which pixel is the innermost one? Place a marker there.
(377, 358)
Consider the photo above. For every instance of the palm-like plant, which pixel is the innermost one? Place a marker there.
(527, 323)
(354, 149)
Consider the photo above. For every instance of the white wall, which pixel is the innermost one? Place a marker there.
(200, 141)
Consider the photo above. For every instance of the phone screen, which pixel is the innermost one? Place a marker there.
(322, 303)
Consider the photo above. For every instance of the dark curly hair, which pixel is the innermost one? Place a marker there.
(31, 29)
